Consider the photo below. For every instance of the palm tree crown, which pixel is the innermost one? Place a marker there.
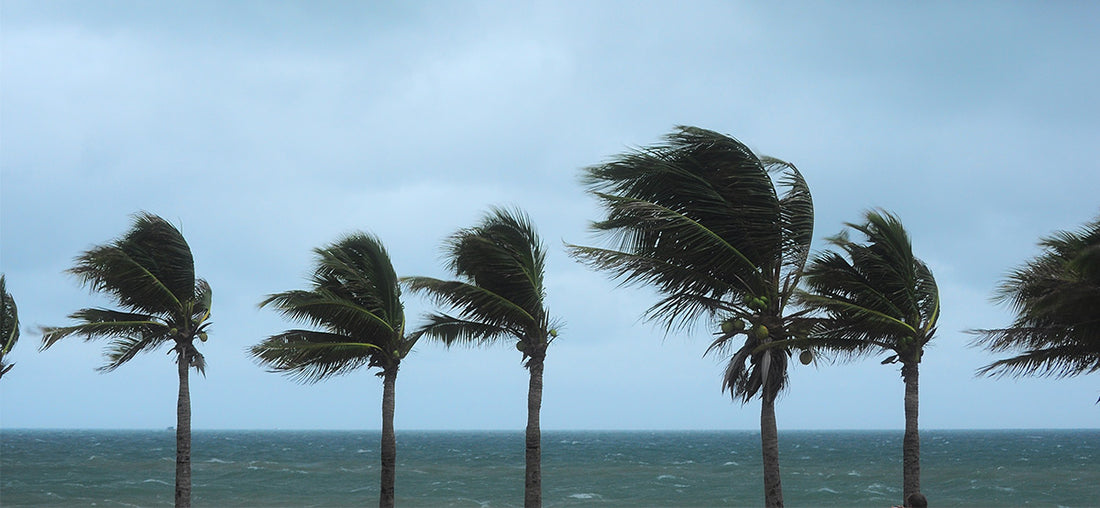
(1056, 298)
(878, 298)
(9, 325)
(150, 273)
(721, 233)
(701, 218)
(500, 265)
(355, 300)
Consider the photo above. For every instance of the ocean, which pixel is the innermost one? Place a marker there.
(595, 468)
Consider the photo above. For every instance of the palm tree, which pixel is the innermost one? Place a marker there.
(876, 297)
(701, 218)
(150, 274)
(500, 264)
(1056, 298)
(9, 325)
(355, 300)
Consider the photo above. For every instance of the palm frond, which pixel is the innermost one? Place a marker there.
(9, 319)
(1058, 361)
(1055, 297)
(750, 372)
(310, 356)
(150, 269)
(97, 323)
(699, 189)
(359, 269)
(668, 275)
(124, 348)
(796, 221)
(451, 330)
(331, 311)
(502, 255)
(474, 303)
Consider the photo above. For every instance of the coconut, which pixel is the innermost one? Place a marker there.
(806, 357)
(732, 326)
(522, 346)
(202, 336)
(761, 332)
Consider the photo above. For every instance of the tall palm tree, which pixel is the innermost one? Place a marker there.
(9, 325)
(499, 294)
(876, 297)
(1056, 298)
(355, 300)
(722, 234)
(150, 274)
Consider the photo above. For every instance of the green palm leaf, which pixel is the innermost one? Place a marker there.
(9, 325)
(1056, 298)
(311, 356)
(474, 303)
(149, 269)
(451, 330)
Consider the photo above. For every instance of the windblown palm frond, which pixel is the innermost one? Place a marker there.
(477, 303)
(1056, 298)
(310, 356)
(150, 269)
(9, 325)
(355, 299)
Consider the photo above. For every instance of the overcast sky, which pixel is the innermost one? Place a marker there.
(265, 129)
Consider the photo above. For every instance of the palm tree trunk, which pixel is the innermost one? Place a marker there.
(769, 444)
(389, 440)
(910, 462)
(183, 432)
(532, 486)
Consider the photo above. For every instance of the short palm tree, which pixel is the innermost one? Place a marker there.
(499, 294)
(150, 273)
(876, 297)
(1056, 298)
(9, 325)
(722, 234)
(355, 300)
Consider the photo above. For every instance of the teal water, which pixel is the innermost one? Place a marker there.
(485, 469)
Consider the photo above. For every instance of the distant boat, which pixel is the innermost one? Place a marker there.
(171, 429)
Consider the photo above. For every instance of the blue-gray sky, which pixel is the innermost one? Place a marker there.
(265, 129)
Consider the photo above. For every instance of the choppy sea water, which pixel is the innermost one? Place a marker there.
(485, 469)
